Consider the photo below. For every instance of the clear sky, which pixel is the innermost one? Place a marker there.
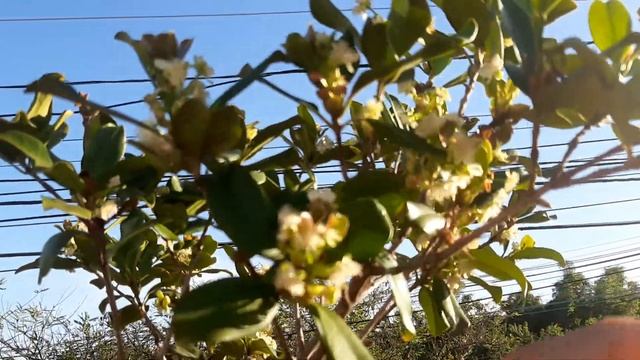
(84, 50)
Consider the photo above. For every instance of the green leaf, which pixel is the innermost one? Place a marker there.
(50, 252)
(225, 310)
(128, 314)
(553, 9)
(429, 221)
(65, 174)
(408, 21)
(374, 183)
(404, 138)
(402, 296)
(495, 291)
(339, 341)
(539, 253)
(282, 160)
(375, 44)
(41, 106)
(329, 15)
(536, 218)
(460, 12)
(76, 210)
(609, 23)
(431, 305)
(241, 210)
(487, 261)
(526, 32)
(105, 149)
(268, 134)
(369, 228)
(29, 146)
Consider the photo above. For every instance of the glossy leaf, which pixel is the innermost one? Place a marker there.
(128, 314)
(65, 174)
(76, 210)
(487, 261)
(58, 263)
(495, 291)
(105, 149)
(526, 33)
(29, 146)
(339, 341)
(241, 210)
(539, 253)
(40, 106)
(369, 228)
(329, 15)
(431, 301)
(609, 23)
(50, 252)
(376, 46)
(268, 134)
(408, 22)
(282, 160)
(402, 296)
(536, 218)
(224, 310)
(404, 138)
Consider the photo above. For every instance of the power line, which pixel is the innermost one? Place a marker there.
(581, 225)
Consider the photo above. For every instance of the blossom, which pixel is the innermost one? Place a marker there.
(431, 124)
(289, 280)
(372, 109)
(509, 234)
(268, 340)
(463, 148)
(322, 195)
(108, 210)
(184, 255)
(202, 68)
(174, 71)
(361, 8)
(491, 67)
(343, 54)
(495, 205)
(114, 182)
(447, 188)
(298, 230)
(430, 221)
(324, 144)
(344, 270)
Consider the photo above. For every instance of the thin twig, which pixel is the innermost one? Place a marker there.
(473, 71)
(572, 146)
(535, 155)
(299, 333)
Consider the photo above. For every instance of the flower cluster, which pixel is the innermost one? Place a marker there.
(333, 58)
(306, 239)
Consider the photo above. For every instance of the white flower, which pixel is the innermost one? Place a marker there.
(491, 67)
(174, 71)
(161, 145)
(372, 109)
(361, 8)
(271, 343)
(343, 54)
(464, 148)
(71, 247)
(430, 221)
(475, 170)
(448, 187)
(344, 270)
(288, 280)
(114, 181)
(513, 178)
(322, 195)
(324, 144)
(108, 210)
(298, 230)
(184, 255)
(202, 68)
(431, 124)
(509, 234)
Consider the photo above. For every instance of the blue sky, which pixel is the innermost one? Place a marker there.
(83, 50)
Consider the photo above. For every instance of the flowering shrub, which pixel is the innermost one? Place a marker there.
(426, 193)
